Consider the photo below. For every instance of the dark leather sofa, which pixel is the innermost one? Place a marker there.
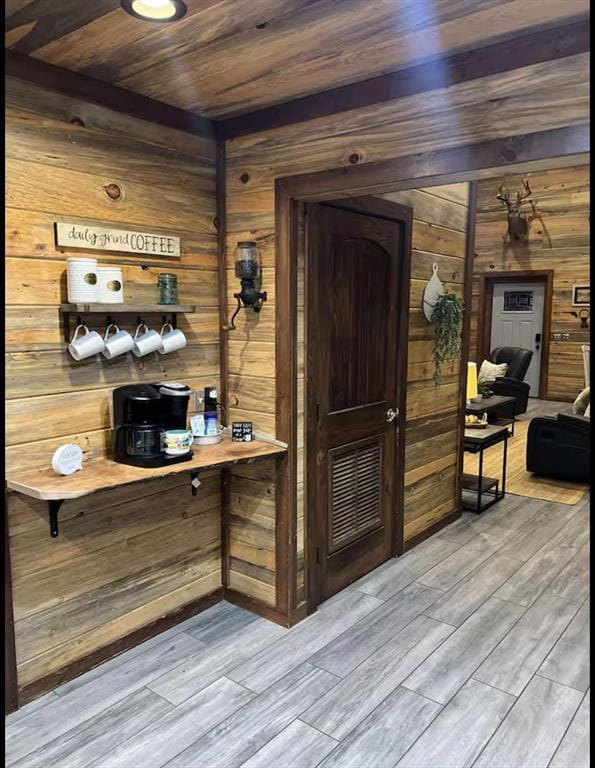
(560, 447)
(513, 384)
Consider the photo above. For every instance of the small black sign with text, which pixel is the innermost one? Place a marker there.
(241, 431)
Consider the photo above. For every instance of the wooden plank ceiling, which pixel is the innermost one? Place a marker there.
(227, 57)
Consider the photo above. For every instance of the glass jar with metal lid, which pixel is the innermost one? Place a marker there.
(247, 260)
(167, 285)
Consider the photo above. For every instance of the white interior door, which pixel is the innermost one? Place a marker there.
(517, 321)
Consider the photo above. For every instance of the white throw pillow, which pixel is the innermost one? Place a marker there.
(489, 371)
(581, 403)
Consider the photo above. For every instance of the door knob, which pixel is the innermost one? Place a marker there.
(391, 414)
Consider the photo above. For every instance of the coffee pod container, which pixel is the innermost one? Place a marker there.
(81, 277)
(110, 286)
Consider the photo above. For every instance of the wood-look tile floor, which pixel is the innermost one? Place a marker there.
(470, 650)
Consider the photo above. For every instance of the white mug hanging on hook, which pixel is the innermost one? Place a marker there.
(146, 342)
(171, 339)
(87, 345)
(117, 343)
(432, 291)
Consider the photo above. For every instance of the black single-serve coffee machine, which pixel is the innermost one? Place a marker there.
(141, 413)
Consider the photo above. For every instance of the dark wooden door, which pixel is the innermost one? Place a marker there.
(356, 355)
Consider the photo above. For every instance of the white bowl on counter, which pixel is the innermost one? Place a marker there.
(208, 439)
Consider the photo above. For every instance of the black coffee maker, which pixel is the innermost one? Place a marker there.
(141, 415)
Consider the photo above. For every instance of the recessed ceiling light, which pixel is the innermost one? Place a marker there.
(155, 10)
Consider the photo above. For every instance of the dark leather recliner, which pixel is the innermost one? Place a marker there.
(513, 384)
(560, 447)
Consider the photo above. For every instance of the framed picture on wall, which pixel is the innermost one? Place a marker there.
(581, 295)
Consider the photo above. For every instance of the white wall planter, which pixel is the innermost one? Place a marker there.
(432, 291)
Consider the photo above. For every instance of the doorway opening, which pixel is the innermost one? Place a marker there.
(296, 527)
(516, 311)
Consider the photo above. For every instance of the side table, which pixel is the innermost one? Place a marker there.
(495, 406)
(476, 441)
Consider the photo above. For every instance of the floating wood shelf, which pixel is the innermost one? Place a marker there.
(131, 309)
(103, 474)
(140, 310)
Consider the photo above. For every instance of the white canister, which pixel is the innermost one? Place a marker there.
(110, 286)
(81, 277)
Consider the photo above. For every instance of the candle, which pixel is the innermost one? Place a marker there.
(471, 380)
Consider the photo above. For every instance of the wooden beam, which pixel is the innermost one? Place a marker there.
(504, 56)
(559, 147)
(89, 89)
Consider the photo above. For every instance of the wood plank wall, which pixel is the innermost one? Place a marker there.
(127, 556)
(439, 236)
(500, 105)
(559, 240)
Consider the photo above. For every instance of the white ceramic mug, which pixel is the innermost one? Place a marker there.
(87, 345)
(177, 441)
(119, 343)
(147, 342)
(172, 340)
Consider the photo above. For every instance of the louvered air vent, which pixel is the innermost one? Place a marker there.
(355, 499)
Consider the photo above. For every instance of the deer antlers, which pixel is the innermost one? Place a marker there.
(504, 195)
(520, 196)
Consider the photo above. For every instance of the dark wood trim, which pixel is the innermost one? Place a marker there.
(559, 147)
(433, 529)
(11, 694)
(484, 318)
(469, 258)
(503, 56)
(221, 225)
(266, 611)
(69, 672)
(104, 94)
(286, 399)
(225, 507)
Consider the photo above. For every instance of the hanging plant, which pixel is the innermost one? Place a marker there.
(447, 316)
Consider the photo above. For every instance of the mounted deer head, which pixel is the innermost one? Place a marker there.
(517, 219)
